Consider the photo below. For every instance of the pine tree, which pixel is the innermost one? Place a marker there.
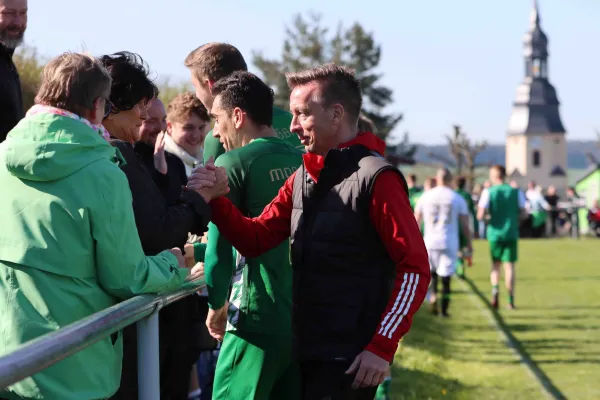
(308, 44)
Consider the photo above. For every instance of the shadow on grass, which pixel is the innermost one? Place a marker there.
(427, 333)
(513, 342)
(410, 384)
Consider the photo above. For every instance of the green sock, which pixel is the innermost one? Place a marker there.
(511, 298)
(460, 267)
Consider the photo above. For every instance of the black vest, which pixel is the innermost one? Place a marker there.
(343, 275)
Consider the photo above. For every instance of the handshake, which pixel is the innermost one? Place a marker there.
(209, 181)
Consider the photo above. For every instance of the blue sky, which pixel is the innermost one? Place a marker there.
(448, 62)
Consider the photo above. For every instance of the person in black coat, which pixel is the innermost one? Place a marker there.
(164, 214)
(13, 22)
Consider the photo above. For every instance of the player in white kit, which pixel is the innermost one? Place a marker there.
(443, 210)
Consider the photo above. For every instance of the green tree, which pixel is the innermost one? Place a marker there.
(308, 43)
(168, 90)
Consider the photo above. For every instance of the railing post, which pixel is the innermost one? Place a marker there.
(148, 358)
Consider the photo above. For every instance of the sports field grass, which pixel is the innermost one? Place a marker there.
(556, 327)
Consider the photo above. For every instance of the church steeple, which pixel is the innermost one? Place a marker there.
(536, 146)
(536, 47)
(535, 110)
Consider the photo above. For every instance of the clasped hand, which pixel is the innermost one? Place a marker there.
(209, 181)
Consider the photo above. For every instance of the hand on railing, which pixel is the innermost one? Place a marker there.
(216, 322)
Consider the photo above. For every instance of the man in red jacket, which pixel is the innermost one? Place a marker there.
(361, 270)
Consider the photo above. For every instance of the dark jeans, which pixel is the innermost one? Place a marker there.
(322, 380)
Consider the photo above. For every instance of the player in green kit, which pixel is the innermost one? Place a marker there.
(255, 361)
(501, 206)
(414, 192)
(213, 61)
(464, 257)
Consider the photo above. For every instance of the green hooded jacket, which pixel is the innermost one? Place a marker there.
(69, 247)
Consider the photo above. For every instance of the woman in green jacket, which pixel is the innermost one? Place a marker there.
(68, 243)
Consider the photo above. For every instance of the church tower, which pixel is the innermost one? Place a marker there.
(536, 147)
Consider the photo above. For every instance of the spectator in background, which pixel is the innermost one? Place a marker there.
(13, 22)
(154, 123)
(188, 123)
(537, 208)
(573, 212)
(552, 199)
(163, 214)
(594, 218)
(74, 250)
(414, 191)
(429, 184)
(464, 254)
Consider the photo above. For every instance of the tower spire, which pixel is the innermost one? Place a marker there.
(535, 16)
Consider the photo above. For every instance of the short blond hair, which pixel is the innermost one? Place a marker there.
(366, 124)
(72, 82)
(183, 106)
(214, 61)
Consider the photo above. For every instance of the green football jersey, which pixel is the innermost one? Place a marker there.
(504, 207)
(471, 206)
(281, 125)
(414, 194)
(261, 288)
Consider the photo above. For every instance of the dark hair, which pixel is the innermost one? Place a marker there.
(412, 178)
(246, 91)
(339, 85)
(501, 171)
(461, 182)
(215, 61)
(130, 81)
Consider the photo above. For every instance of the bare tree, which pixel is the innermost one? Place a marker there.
(470, 151)
(463, 152)
(455, 142)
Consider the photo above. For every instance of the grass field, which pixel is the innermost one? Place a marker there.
(556, 327)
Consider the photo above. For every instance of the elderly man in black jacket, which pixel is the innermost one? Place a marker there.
(13, 22)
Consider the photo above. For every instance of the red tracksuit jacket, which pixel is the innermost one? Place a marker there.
(391, 215)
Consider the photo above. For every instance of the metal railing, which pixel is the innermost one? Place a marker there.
(40, 353)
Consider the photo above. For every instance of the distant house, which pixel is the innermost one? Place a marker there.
(588, 188)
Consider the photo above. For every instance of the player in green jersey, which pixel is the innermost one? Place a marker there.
(464, 256)
(414, 191)
(501, 206)
(255, 361)
(213, 61)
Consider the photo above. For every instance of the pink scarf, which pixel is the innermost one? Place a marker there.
(42, 109)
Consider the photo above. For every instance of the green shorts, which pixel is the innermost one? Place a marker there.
(505, 251)
(256, 366)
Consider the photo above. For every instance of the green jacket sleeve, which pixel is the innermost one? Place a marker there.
(123, 269)
(199, 251)
(219, 263)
